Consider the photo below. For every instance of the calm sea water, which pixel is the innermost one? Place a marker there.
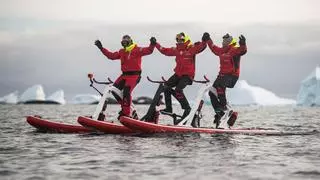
(28, 154)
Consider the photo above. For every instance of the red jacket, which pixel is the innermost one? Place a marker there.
(130, 61)
(229, 57)
(185, 57)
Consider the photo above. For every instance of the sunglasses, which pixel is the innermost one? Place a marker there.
(179, 40)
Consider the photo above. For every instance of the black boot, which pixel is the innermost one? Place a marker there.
(168, 101)
(101, 116)
(195, 121)
(214, 100)
(166, 110)
(120, 114)
(134, 114)
(183, 102)
(186, 113)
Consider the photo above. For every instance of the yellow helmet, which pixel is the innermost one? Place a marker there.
(234, 42)
(182, 36)
(229, 40)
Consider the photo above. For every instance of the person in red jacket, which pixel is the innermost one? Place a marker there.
(229, 55)
(185, 53)
(130, 56)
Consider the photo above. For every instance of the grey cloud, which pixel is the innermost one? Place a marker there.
(278, 58)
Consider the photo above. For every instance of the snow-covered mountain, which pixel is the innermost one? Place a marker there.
(58, 97)
(309, 93)
(11, 98)
(246, 94)
(34, 93)
(242, 94)
(85, 99)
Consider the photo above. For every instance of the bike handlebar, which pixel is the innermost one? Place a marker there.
(206, 80)
(153, 81)
(93, 80)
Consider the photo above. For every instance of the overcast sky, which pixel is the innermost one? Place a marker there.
(233, 11)
(51, 42)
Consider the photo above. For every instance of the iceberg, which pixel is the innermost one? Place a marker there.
(11, 98)
(246, 94)
(309, 93)
(57, 97)
(34, 93)
(85, 99)
(142, 100)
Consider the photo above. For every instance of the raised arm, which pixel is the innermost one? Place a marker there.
(106, 52)
(198, 47)
(110, 55)
(166, 51)
(215, 49)
(242, 50)
(148, 50)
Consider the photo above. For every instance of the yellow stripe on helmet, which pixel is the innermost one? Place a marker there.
(187, 38)
(234, 42)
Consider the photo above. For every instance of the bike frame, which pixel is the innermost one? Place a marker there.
(105, 94)
(206, 87)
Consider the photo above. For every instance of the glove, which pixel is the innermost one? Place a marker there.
(98, 44)
(153, 41)
(242, 40)
(206, 37)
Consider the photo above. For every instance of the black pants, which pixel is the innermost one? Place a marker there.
(180, 82)
(218, 99)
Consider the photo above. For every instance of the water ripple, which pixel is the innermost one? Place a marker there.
(28, 154)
